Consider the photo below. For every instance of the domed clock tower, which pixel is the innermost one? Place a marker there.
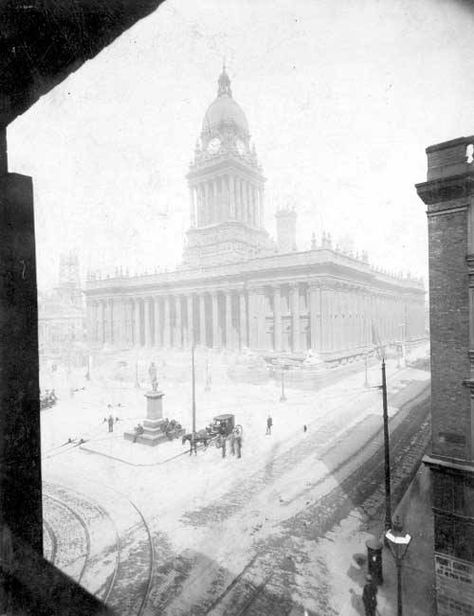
(226, 188)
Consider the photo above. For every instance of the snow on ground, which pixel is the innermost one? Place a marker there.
(167, 486)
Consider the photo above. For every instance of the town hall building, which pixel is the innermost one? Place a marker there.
(237, 288)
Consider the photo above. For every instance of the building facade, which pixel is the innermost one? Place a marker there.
(449, 196)
(62, 330)
(237, 288)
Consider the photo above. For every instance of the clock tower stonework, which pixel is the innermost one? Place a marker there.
(226, 188)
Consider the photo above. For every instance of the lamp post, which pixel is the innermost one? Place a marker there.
(398, 543)
(193, 379)
(386, 440)
(283, 397)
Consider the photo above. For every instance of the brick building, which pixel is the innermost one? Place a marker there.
(449, 196)
(237, 288)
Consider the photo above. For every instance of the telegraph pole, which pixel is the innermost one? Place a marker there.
(388, 499)
(193, 388)
(283, 397)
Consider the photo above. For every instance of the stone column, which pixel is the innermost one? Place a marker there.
(117, 322)
(315, 316)
(110, 310)
(156, 312)
(228, 320)
(90, 323)
(179, 328)
(255, 206)
(192, 201)
(277, 324)
(216, 339)
(123, 322)
(243, 321)
(136, 322)
(166, 322)
(189, 310)
(295, 314)
(232, 197)
(248, 205)
(202, 320)
(206, 204)
(146, 316)
(100, 321)
(128, 323)
(252, 318)
(324, 319)
(260, 313)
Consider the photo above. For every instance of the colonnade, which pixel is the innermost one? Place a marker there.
(226, 197)
(327, 318)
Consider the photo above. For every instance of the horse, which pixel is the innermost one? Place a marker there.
(201, 436)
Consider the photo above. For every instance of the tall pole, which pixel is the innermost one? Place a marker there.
(193, 388)
(388, 500)
(282, 397)
(399, 587)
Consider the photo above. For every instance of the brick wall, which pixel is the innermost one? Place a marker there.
(449, 324)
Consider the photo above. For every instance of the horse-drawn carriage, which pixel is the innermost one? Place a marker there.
(221, 427)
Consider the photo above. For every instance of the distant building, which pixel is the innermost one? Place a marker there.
(449, 196)
(62, 316)
(238, 288)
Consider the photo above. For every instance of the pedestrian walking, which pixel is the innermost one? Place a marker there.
(238, 443)
(305, 428)
(269, 425)
(369, 596)
(110, 421)
(232, 443)
(223, 446)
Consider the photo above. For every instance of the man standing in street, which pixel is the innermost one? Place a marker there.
(369, 596)
(238, 443)
(269, 425)
(223, 440)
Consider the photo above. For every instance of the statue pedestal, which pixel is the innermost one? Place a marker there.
(152, 432)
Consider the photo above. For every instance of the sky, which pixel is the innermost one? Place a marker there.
(342, 99)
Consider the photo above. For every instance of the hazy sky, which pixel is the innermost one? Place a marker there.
(342, 97)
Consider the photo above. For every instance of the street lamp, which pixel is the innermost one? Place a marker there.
(386, 440)
(283, 397)
(398, 543)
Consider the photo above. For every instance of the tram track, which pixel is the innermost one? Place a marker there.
(127, 587)
(64, 562)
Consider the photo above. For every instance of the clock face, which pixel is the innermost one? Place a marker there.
(214, 145)
(240, 146)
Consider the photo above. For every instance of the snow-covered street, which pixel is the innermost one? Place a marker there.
(215, 525)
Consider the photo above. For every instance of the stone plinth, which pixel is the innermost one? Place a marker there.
(152, 432)
(154, 405)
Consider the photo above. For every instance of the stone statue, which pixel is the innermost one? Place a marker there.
(153, 376)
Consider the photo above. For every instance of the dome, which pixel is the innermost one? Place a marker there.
(224, 110)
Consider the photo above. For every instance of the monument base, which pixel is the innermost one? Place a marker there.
(153, 433)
